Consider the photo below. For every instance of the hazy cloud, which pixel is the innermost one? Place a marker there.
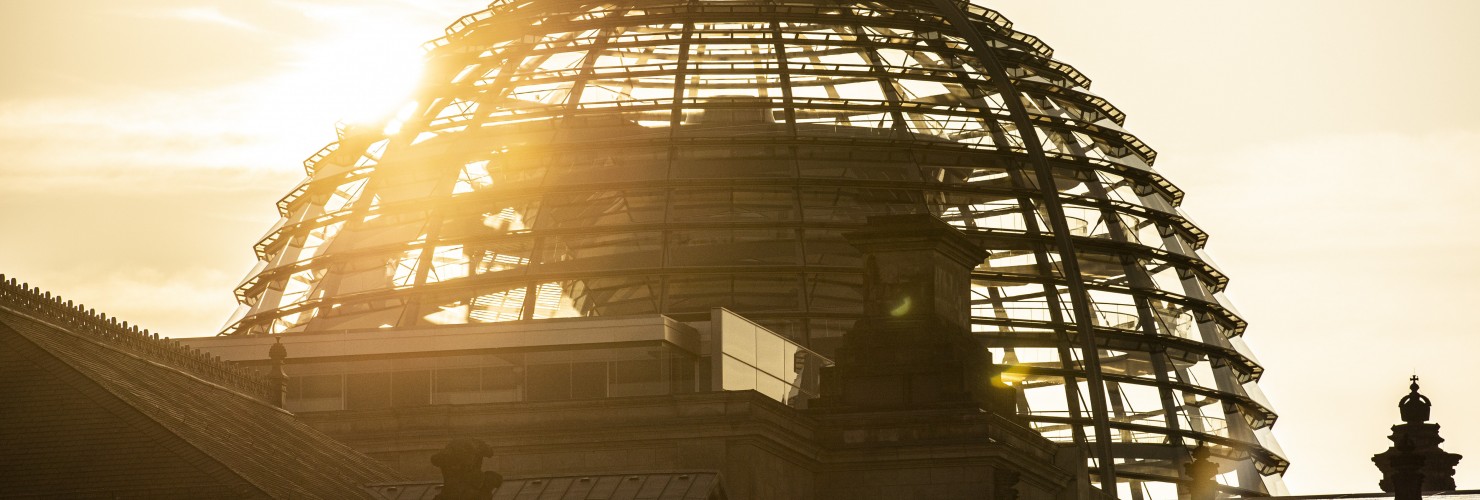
(209, 14)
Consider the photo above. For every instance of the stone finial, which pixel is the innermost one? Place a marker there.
(1415, 457)
(463, 477)
(1203, 472)
(1414, 407)
(276, 377)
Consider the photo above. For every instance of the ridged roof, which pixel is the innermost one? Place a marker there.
(248, 440)
(677, 485)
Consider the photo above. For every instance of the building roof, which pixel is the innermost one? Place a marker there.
(705, 485)
(198, 409)
(1450, 495)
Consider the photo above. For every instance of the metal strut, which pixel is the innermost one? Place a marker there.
(1078, 295)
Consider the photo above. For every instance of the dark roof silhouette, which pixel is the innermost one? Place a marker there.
(87, 404)
(702, 485)
(1451, 495)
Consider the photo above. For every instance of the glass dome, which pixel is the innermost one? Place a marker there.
(570, 159)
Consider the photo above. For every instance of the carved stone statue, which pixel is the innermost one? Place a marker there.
(463, 477)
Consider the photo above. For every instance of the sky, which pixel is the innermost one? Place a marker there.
(1325, 145)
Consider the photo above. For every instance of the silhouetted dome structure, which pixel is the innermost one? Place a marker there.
(574, 159)
(1414, 407)
(1415, 463)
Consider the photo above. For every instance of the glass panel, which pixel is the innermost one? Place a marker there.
(551, 300)
(488, 384)
(315, 393)
(367, 391)
(411, 388)
(733, 247)
(682, 369)
(499, 305)
(737, 338)
(841, 293)
(616, 296)
(581, 166)
(499, 379)
(980, 212)
(851, 204)
(588, 380)
(772, 387)
(769, 353)
(459, 380)
(505, 256)
(547, 382)
(768, 293)
(601, 208)
(320, 386)
(856, 162)
(638, 377)
(740, 292)
(733, 205)
(587, 252)
(751, 160)
(737, 376)
(827, 247)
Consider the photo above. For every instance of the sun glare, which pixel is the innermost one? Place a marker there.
(362, 75)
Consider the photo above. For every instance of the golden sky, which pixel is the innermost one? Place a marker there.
(1327, 146)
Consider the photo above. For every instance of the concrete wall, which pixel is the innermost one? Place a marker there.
(763, 449)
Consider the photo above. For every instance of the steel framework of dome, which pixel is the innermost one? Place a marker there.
(597, 159)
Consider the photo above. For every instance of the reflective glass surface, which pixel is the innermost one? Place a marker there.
(569, 159)
(547, 375)
(749, 356)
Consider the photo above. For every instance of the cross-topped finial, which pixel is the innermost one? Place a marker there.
(1414, 407)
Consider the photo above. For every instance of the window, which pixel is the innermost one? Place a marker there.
(367, 391)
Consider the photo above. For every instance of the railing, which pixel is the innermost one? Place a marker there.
(311, 164)
(77, 319)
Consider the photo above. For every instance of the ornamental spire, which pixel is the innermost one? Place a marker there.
(1414, 408)
(1415, 457)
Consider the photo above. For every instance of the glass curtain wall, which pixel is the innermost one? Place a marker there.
(569, 159)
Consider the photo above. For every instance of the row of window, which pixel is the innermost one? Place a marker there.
(652, 372)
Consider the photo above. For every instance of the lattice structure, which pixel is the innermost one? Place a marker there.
(576, 159)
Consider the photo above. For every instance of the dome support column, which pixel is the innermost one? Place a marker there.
(1077, 292)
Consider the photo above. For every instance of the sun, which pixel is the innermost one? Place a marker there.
(361, 72)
